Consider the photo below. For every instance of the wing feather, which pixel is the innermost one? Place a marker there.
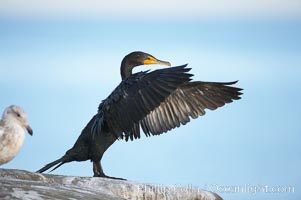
(189, 101)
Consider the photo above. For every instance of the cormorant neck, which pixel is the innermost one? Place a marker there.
(126, 69)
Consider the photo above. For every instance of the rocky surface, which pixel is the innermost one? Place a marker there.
(18, 184)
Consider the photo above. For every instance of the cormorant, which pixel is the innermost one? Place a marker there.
(157, 101)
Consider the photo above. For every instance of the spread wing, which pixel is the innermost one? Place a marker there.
(136, 97)
(159, 101)
(188, 101)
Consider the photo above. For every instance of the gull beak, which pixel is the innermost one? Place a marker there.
(29, 130)
(152, 60)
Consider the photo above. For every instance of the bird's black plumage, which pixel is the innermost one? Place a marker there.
(154, 101)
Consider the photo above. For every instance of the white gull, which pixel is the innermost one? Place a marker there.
(12, 132)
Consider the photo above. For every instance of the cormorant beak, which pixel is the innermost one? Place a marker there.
(151, 60)
(29, 130)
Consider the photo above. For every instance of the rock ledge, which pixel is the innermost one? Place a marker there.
(18, 184)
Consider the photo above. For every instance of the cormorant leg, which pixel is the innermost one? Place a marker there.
(98, 172)
(97, 169)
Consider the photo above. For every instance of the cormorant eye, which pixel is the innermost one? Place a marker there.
(18, 115)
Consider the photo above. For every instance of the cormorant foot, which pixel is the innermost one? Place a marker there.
(102, 175)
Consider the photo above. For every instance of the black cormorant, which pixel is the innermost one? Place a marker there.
(157, 101)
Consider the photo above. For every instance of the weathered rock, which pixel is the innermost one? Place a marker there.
(18, 184)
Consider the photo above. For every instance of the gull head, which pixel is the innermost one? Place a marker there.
(15, 114)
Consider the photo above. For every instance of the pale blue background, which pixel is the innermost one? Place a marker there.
(60, 70)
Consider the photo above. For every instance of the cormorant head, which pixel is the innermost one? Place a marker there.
(138, 58)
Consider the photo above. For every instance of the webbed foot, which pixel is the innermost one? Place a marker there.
(98, 172)
(102, 175)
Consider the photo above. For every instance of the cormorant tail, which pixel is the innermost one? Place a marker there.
(56, 163)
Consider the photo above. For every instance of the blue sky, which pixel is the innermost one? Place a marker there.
(59, 69)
